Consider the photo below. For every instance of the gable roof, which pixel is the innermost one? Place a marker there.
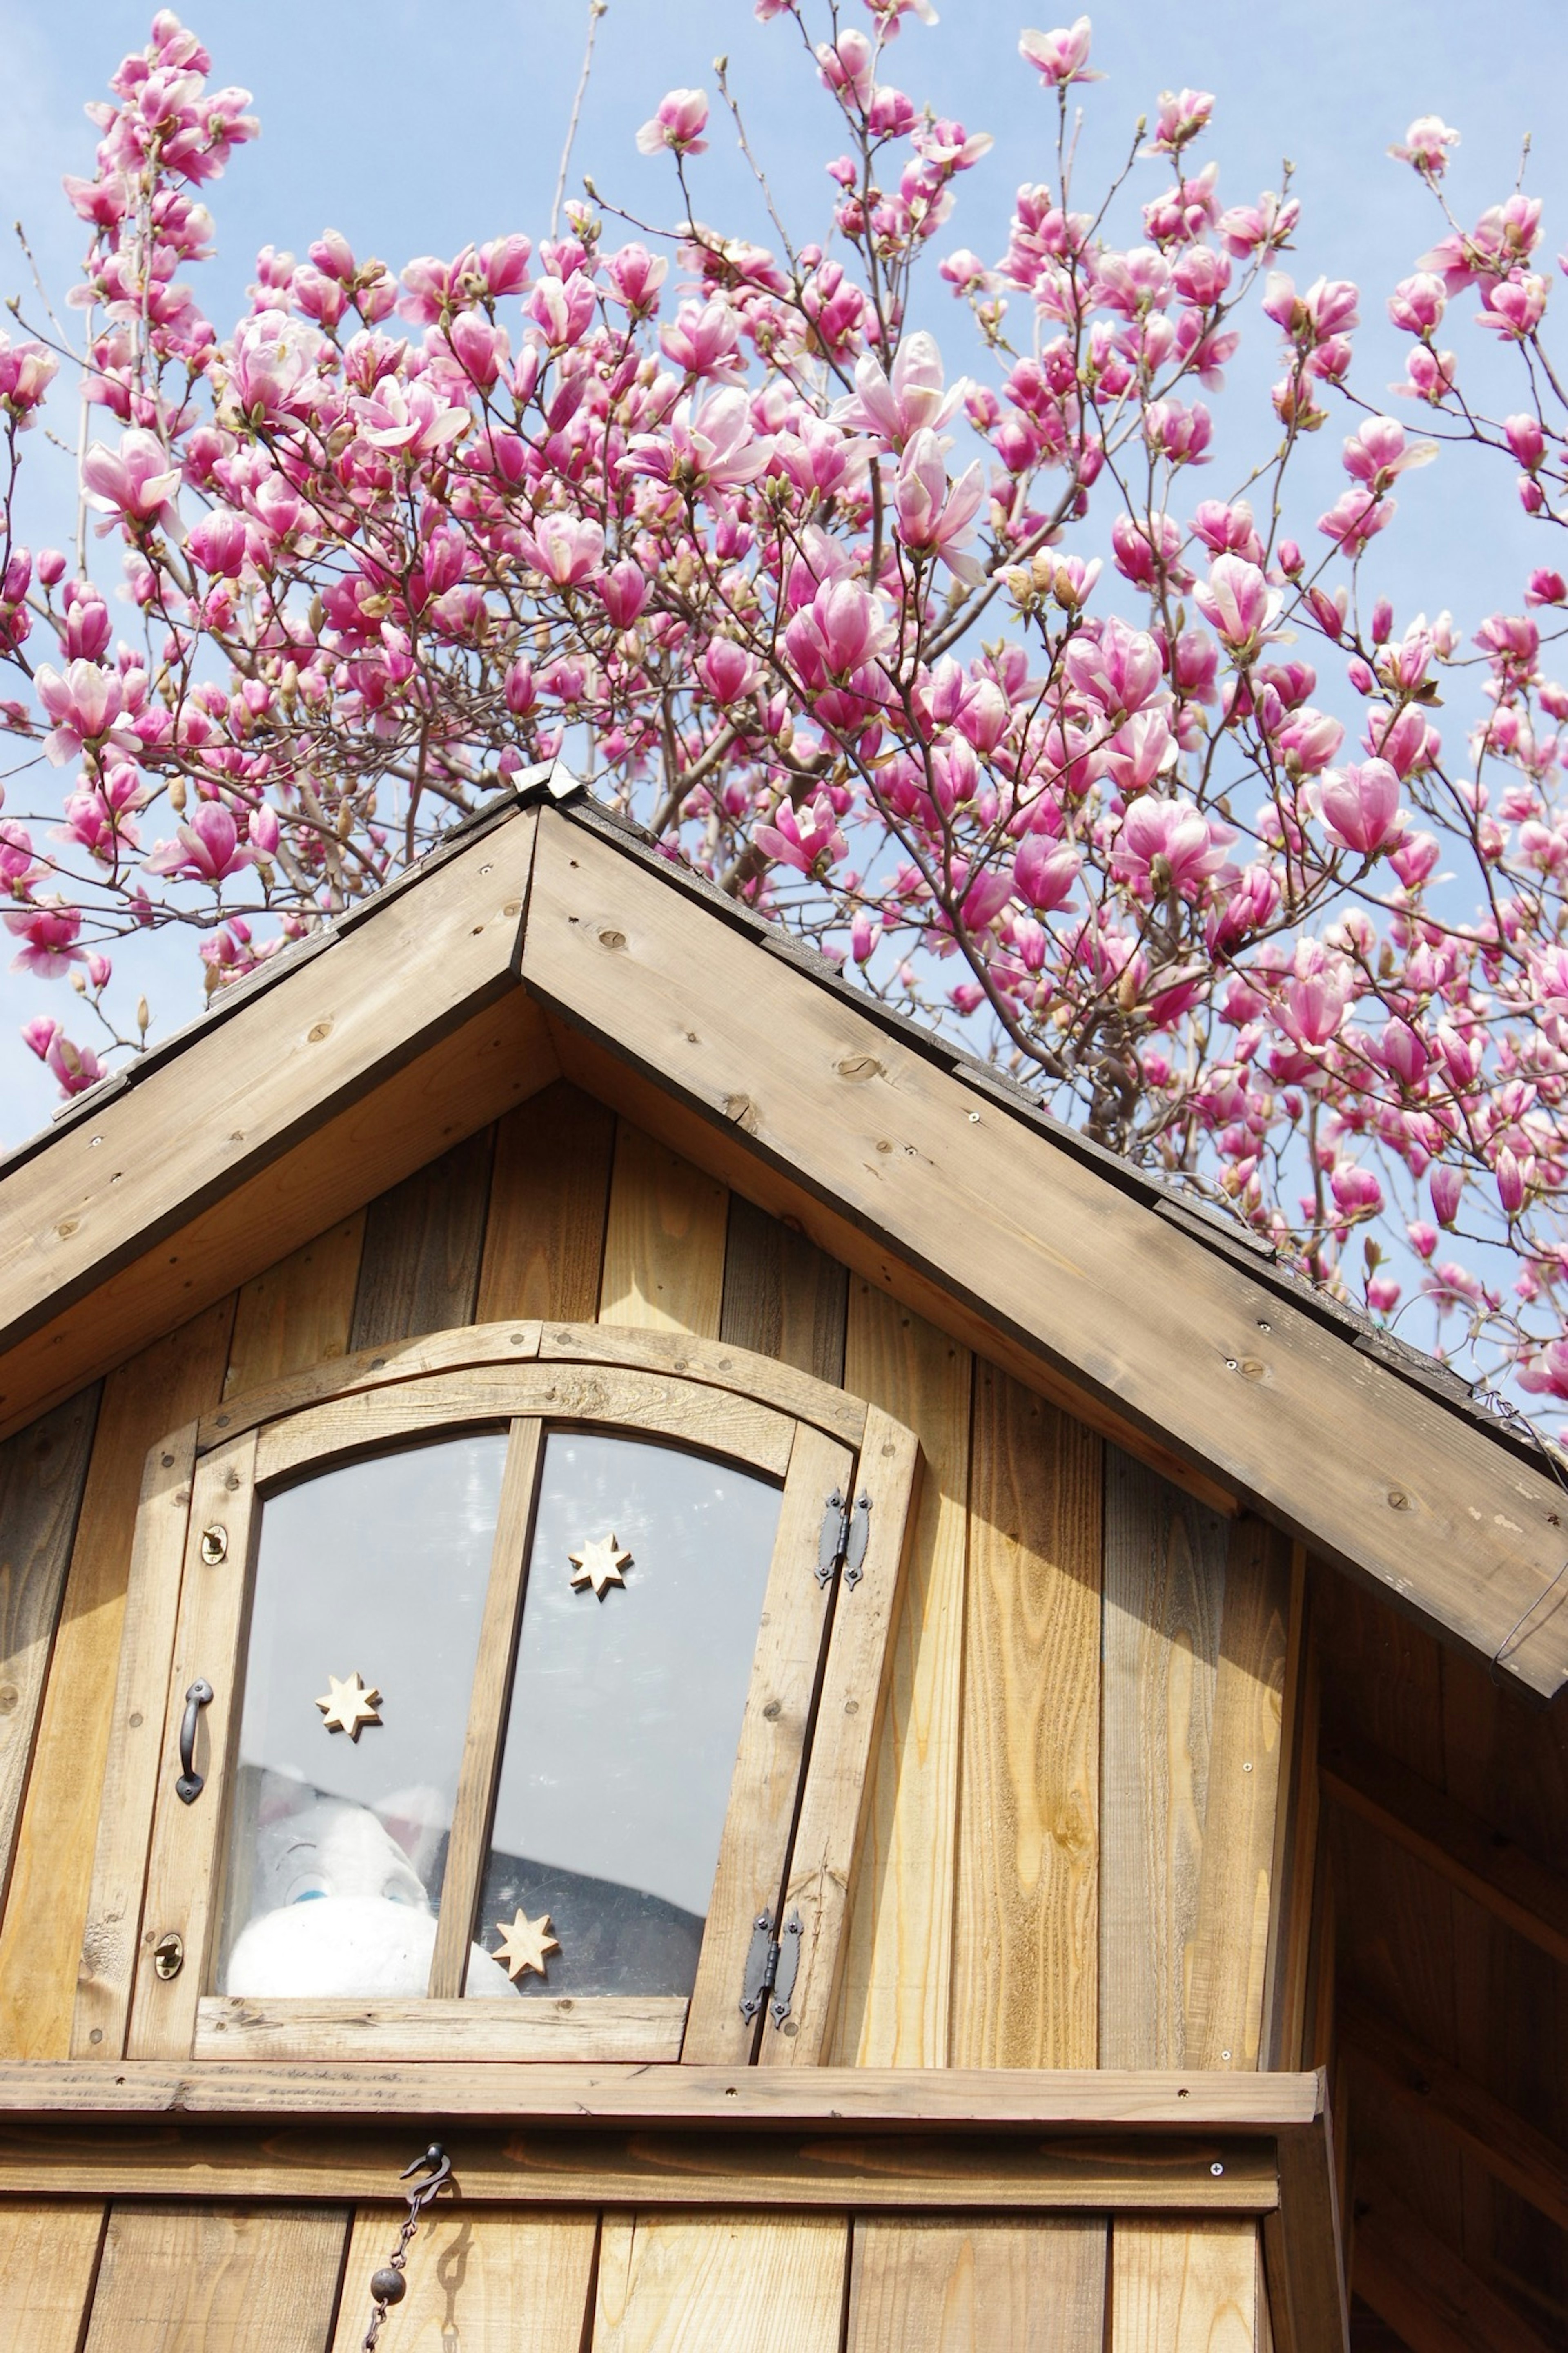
(545, 939)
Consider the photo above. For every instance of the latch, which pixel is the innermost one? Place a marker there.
(846, 1533)
(773, 1964)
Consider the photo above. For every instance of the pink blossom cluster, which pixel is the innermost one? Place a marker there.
(972, 677)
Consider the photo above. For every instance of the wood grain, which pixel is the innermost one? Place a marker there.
(723, 2283)
(41, 1941)
(299, 1312)
(765, 1790)
(976, 2287)
(1164, 1592)
(203, 2279)
(1227, 1959)
(1028, 1945)
(516, 2283)
(664, 1241)
(835, 1810)
(782, 1297)
(108, 1964)
(726, 1421)
(1183, 2287)
(545, 1236)
(719, 1363)
(397, 1040)
(1423, 2287)
(184, 1872)
(647, 2028)
(896, 2009)
(420, 1269)
(43, 1471)
(1083, 1278)
(1302, 2246)
(48, 2261)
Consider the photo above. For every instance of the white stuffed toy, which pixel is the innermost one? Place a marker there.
(340, 1911)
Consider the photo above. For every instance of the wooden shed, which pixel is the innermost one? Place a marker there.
(614, 1558)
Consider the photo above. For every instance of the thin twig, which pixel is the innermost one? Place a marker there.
(595, 10)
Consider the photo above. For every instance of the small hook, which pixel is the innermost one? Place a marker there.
(440, 2170)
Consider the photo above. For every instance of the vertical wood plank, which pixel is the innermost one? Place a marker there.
(49, 2260)
(664, 1241)
(1164, 1587)
(419, 1270)
(217, 2279)
(1183, 2287)
(1026, 1966)
(898, 1979)
(722, 2282)
(43, 1471)
(514, 2281)
(1230, 1950)
(977, 2287)
(1295, 1838)
(545, 1236)
(299, 1312)
(782, 1297)
(170, 1383)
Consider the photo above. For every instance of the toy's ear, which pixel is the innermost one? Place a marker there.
(280, 1795)
(415, 1819)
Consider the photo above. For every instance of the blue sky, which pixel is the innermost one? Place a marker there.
(414, 127)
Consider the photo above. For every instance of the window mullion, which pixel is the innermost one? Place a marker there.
(487, 1713)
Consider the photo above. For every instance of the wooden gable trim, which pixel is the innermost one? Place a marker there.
(1021, 1251)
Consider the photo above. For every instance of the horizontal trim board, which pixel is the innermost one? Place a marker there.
(646, 2029)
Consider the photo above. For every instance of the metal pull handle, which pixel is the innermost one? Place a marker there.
(190, 1783)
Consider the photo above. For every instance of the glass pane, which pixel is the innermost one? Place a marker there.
(373, 1573)
(645, 1597)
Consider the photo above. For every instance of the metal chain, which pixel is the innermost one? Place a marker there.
(387, 2286)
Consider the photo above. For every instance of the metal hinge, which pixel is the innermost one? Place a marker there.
(773, 1964)
(846, 1533)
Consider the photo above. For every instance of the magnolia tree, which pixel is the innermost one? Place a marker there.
(958, 675)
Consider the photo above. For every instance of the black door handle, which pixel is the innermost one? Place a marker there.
(190, 1783)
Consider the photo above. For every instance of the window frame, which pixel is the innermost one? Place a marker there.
(795, 1820)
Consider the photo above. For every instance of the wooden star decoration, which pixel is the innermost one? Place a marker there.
(599, 1564)
(524, 1944)
(350, 1706)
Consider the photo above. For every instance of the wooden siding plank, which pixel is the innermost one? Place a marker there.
(299, 1312)
(782, 1297)
(1183, 2287)
(108, 1965)
(240, 2030)
(664, 1241)
(725, 2284)
(496, 2283)
(1026, 1966)
(830, 1836)
(1228, 1960)
(43, 1471)
(168, 1383)
(419, 1270)
(976, 2287)
(1302, 2249)
(544, 1237)
(897, 1975)
(753, 1851)
(1164, 1585)
(202, 2279)
(1085, 1281)
(48, 2261)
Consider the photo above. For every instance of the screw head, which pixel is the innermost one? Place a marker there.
(1216, 2168)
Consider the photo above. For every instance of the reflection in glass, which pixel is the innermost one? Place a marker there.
(338, 1847)
(625, 1712)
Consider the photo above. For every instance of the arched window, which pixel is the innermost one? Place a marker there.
(517, 1694)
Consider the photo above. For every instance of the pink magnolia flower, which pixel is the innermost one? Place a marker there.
(1545, 1373)
(1403, 1054)
(136, 484)
(1377, 453)
(207, 850)
(85, 703)
(624, 591)
(1360, 805)
(679, 121)
(1046, 872)
(728, 671)
(934, 518)
(565, 548)
(1356, 1191)
(1515, 1173)
(909, 401)
(807, 838)
(76, 1068)
(1241, 605)
(1169, 845)
(1312, 1008)
(1425, 146)
(48, 931)
(1060, 57)
(413, 419)
(714, 446)
(1183, 115)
